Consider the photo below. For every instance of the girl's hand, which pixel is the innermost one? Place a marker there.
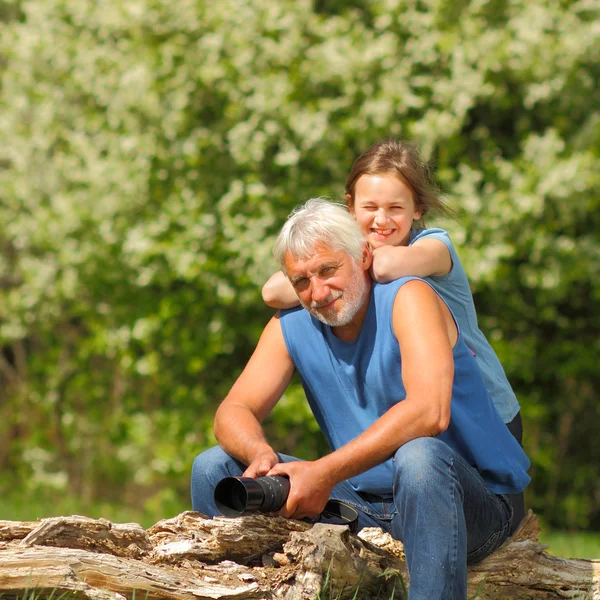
(386, 260)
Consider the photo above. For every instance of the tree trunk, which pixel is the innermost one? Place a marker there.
(191, 557)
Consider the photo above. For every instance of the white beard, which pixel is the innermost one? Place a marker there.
(353, 298)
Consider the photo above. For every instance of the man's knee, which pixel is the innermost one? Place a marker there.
(421, 463)
(209, 461)
(208, 469)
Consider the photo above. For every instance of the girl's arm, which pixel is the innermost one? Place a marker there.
(424, 258)
(279, 293)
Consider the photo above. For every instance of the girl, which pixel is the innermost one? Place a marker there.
(387, 191)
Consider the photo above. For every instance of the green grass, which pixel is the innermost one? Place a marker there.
(13, 508)
(572, 545)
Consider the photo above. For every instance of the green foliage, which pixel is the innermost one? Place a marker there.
(149, 151)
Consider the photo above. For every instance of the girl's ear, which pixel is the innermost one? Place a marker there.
(350, 204)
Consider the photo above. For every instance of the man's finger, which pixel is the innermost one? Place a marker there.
(288, 509)
(265, 467)
(277, 470)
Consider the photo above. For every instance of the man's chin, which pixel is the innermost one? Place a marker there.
(332, 320)
(323, 312)
(324, 318)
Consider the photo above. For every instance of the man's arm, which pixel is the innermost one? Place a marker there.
(238, 419)
(426, 334)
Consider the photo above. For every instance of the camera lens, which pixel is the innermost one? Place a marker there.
(276, 490)
(235, 496)
(231, 497)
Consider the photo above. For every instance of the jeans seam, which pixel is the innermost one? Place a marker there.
(455, 532)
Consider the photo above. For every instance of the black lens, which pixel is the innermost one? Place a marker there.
(276, 490)
(235, 496)
(231, 496)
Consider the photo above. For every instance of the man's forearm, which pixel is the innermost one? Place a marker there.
(239, 433)
(402, 423)
(256, 391)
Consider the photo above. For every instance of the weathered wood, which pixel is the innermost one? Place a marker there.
(191, 535)
(346, 561)
(99, 576)
(16, 530)
(192, 557)
(522, 569)
(95, 535)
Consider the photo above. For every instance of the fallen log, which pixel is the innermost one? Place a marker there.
(190, 557)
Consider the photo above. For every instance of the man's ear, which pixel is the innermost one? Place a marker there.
(367, 257)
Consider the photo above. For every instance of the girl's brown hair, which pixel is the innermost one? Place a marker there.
(402, 159)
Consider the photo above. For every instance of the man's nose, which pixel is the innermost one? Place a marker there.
(319, 290)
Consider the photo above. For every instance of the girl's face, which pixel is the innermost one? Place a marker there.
(384, 208)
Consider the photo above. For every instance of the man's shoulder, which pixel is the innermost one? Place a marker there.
(385, 294)
(301, 331)
(297, 312)
(292, 319)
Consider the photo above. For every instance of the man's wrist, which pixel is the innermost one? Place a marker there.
(332, 467)
(262, 451)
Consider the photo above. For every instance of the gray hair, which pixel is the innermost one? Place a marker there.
(318, 221)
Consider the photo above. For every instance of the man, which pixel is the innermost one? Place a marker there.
(417, 446)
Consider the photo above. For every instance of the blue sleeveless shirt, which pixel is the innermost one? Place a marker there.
(349, 385)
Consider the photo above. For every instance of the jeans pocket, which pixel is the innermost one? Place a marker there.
(492, 543)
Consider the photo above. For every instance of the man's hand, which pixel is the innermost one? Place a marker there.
(310, 488)
(261, 464)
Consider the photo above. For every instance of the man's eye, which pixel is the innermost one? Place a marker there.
(300, 283)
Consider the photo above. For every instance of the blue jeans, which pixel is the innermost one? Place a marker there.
(440, 508)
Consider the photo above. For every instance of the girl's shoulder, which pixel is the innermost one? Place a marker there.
(436, 233)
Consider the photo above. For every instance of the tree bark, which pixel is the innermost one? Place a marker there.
(190, 557)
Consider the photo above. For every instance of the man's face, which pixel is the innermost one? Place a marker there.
(330, 284)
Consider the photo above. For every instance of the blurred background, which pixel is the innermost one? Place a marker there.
(149, 152)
